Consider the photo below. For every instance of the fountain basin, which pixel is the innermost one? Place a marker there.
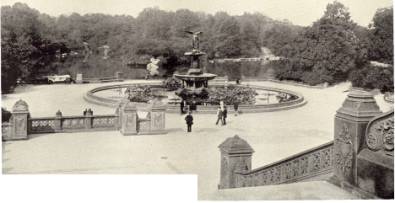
(107, 96)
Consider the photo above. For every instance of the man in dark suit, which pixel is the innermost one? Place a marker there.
(224, 115)
(189, 121)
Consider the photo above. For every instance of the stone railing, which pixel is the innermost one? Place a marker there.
(42, 125)
(125, 119)
(359, 159)
(308, 164)
(72, 123)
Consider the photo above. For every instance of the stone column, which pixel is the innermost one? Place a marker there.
(58, 121)
(235, 157)
(158, 118)
(129, 119)
(19, 121)
(350, 126)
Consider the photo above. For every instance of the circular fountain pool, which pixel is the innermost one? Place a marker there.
(267, 98)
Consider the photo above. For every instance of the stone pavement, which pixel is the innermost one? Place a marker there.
(273, 135)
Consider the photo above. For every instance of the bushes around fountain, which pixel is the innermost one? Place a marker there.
(231, 95)
(171, 84)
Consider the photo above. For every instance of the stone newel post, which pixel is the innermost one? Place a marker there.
(350, 125)
(129, 119)
(235, 157)
(19, 121)
(58, 121)
(158, 118)
(88, 119)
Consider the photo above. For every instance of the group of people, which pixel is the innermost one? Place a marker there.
(222, 113)
(87, 112)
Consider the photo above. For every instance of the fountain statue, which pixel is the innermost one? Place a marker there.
(194, 82)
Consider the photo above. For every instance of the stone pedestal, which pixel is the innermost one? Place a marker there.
(129, 119)
(78, 78)
(158, 118)
(235, 157)
(350, 125)
(19, 121)
(88, 120)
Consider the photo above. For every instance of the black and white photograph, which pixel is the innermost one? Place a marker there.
(251, 100)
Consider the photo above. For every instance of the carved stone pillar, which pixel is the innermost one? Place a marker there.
(19, 121)
(235, 157)
(158, 119)
(350, 125)
(129, 119)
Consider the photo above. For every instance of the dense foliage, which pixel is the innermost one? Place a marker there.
(171, 84)
(334, 49)
(34, 43)
(140, 94)
(231, 95)
(374, 77)
(5, 115)
(331, 50)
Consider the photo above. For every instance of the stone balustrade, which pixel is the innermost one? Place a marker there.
(360, 158)
(125, 119)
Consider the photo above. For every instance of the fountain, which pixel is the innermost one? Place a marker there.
(195, 81)
(194, 91)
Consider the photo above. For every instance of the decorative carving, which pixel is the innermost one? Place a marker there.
(75, 123)
(20, 105)
(103, 122)
(380, 134)
(311, 163)
(326, 158)
(157, 120)
(316, 161)
(344, 153)
(304, 165)
(20, 124)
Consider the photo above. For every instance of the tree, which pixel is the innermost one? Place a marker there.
(381, 36)
(328, 50)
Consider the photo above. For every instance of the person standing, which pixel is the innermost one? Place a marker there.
(236, 107)
(189, 121)
(219, 116)
(182, 107)
(224, 115)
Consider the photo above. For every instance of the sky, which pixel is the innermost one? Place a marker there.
(299, 12)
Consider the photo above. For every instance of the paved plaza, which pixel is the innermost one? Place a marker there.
(273, 136)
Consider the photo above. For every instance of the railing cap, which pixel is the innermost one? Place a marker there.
(359, 104)
(236, 145)
(20, 106)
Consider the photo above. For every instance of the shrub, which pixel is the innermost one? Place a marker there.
(231, 95)
(5, 115)
(140, 93)
(172, 84)
(371, 77)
